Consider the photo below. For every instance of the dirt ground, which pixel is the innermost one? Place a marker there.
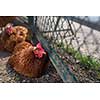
(4, 77)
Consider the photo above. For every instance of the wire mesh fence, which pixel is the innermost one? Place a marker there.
(75, 38)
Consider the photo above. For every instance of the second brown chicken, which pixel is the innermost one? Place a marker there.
(12, 35)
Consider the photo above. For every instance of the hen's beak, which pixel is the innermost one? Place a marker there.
(34, 48)
(44, 52)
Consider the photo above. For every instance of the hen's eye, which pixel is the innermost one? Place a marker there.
(21, 34)
(14, 33)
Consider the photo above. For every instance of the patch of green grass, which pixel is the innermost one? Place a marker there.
(86, 61)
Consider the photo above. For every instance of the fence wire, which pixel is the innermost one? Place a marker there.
(75, 38)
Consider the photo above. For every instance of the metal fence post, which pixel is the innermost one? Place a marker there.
(30, 20)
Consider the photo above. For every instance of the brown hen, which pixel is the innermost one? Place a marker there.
(13, 35)
(25, 61)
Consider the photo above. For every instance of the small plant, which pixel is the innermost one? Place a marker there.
(86, 61)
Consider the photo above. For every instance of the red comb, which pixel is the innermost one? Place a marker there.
(8, 28)
(39, 51)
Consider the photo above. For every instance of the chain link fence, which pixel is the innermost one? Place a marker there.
(76, 39)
